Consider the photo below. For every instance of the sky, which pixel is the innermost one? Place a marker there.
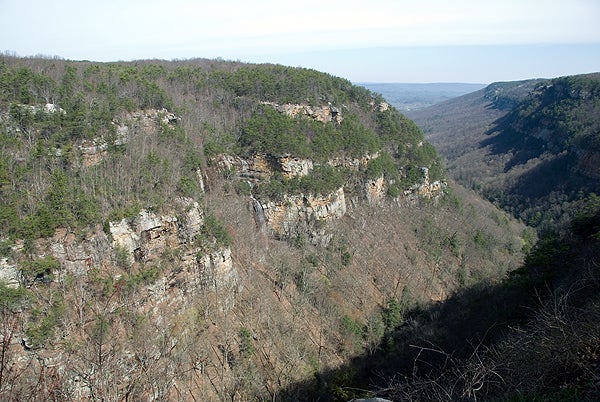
(480, 41)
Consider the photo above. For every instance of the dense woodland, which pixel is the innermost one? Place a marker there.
(391, 304)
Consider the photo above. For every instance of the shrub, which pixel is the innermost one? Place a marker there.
(243, 187)
(122, 258)
(351, 327)
(188, 186)
(322, 180)
(246, 346)
(393, 191)
(269, 131)
(346, 258)
(393, 314)
(384, 166)
(214, 229)
(357, 139)
(41, 269)
(313, 260)
(5, 248)
(11, 298)
(43, 326)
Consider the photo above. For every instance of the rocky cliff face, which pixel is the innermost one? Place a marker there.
(9, 273)
(295, 167)
(426, 188)
(307, 215)
(145, 240)
(150, 121)
(354, 164)
(299, 215)
(375, 190)
(263, 167)
(145, 236)
(323, 114)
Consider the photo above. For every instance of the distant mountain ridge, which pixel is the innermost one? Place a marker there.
(530, 146)
(414, 96)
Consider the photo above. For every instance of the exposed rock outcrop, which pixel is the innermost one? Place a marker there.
(307, 215)
(77, 256)
(375, 190)
(149, 120)
(262, 167)
(295, 167)
(146, 236)
(76, 253)
(382, 106)
(191, 220)
(9, 273)
(147, 239)
(353, 163)
(48, 108)
(301, 214)
(426, 189)
(218, 275)
(323, 114)
(211, 276)
(255, 169)
(94, 150)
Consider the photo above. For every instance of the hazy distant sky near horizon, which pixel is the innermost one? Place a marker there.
(374, 41)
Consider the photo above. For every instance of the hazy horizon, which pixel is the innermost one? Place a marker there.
(387, 41)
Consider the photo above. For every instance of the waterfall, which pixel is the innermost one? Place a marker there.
(259, 215)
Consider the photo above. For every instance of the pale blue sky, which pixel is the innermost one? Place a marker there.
(364, 41)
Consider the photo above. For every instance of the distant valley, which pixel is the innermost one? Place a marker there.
(410, 96)
(529, 146)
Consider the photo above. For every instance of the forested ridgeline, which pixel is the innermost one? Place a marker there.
(55, 111)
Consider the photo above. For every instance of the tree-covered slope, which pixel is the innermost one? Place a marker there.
(529, 146)
(456, 125)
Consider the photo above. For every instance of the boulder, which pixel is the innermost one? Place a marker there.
(295, 167)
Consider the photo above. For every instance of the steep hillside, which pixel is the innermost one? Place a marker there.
(535, 336)
(528, 146)
(175, 229)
